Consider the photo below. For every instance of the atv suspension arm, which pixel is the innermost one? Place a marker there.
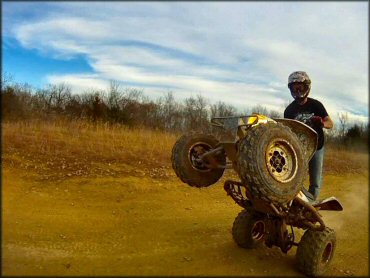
(209, 159)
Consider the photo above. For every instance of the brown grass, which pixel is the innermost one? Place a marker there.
(82, 148)
(80, 138)
(65, 148)
(341, 161)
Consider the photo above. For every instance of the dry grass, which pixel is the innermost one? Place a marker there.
(340, 161)
(80, 138)
(82, 148)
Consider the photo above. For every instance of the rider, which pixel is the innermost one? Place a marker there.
(311, 112)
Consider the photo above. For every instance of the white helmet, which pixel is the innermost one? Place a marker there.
(299, 77)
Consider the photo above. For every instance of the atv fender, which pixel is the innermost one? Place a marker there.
(306, 135)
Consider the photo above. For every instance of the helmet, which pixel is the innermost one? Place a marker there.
(299, 93)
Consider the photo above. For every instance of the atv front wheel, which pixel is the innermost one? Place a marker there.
(271, 162)
(248, 229)
(187, 164)
(315, 251)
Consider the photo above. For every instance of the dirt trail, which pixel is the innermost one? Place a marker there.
(140, 226)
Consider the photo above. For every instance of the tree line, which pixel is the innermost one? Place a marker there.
(129, 106)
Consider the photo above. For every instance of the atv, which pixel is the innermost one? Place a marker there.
(271, 157)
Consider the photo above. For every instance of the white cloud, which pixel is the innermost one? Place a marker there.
(238, 52)
(80, 82)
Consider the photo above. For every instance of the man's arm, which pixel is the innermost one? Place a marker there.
(327, 122)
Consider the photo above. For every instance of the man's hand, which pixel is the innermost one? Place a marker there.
(318, 121)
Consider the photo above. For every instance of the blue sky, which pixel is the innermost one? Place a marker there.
(237, 52)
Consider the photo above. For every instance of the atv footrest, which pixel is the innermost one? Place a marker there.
(235, 190)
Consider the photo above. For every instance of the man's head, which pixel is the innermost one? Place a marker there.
(299, 84)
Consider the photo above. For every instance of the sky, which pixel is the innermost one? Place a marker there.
(240, 53)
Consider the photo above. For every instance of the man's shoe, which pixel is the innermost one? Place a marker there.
(310, 197)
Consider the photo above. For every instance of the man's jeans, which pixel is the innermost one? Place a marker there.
(315, 172)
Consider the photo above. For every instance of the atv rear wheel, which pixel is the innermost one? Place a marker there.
(248, 229)
(185, 160)
(315, 251)
(272, 162)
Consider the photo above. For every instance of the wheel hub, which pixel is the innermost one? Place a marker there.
(326, 255)
(281, 160)
(194, 156)
(258, 230)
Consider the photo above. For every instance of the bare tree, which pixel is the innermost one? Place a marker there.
(274, 114)
(190, 113)
(57, 96)
(115, 95)
(343, 120)
(114, 98)
(201, 110)
(259, 109)
(6, 80)
(166, 113)
(221, 109)
(170, 112)
(195, 112)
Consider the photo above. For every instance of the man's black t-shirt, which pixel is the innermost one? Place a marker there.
(303, 113)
